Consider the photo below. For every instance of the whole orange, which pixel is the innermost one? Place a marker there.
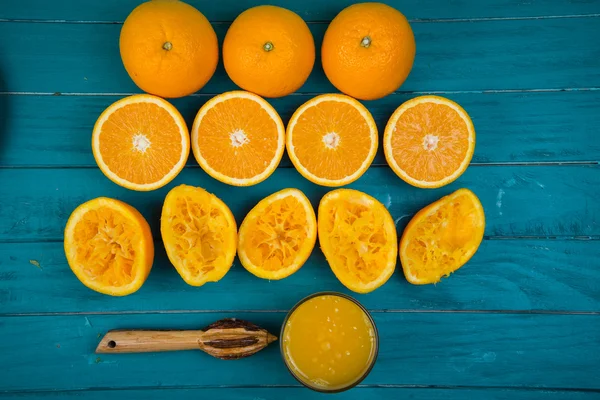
(269, 50)
(368, 50)
(168, 48)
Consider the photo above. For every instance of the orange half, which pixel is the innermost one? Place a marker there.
(199, 234)
(332, 139)
(358, 237)
(238, 138)
(429, 141)
(442, 237)
(141, 142)
(278, 235)
(109, 246)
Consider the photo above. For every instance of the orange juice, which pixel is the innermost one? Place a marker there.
(329, 342)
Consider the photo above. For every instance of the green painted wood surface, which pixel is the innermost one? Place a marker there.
(457, 56)
(39, 211)
(511, 127)
(451, 349)
(503, 275)
(520, 321)
(310, 10)
(279, 393)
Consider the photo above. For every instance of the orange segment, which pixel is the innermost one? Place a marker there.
(109, 246)
(278, 235)
(238, 138)
(332, 139)
(442, 237)
(141, 142)
(358, 237)
(199, 233)
(429, 141)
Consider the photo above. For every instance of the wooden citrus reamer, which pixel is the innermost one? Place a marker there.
(227, 339)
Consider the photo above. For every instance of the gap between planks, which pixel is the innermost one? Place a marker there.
(413, 20)
(361, 386)
(408, 92)
(372, 311)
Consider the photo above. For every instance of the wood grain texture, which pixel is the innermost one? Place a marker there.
(310, 10)
(511, 127)
(148, 341)
(538, 275)
(543, 351)
(279, 393)
(36, 203)
(40, 57)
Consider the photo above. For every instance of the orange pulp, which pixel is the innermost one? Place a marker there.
(329, 343)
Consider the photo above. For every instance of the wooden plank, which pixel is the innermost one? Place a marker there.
(310, 10)
(293, 393)
(519, 201)
(542, 351)
(511, 127)
(55, 57)
(539, 275)
(35, 204)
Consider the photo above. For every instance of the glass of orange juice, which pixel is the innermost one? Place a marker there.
(329, 342)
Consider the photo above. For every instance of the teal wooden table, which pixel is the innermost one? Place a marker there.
(520, 321)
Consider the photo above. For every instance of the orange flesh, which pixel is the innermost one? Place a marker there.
(105, 250)
(238, 138)
(356, 241)
(332, 140)
(430, 141)
(199, 238)
(329, 342)
(144, 125)
(444, 239)
(277, 234)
